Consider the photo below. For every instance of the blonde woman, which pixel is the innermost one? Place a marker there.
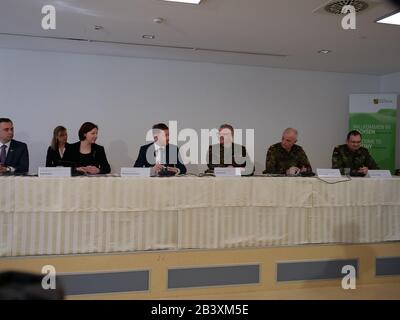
(55, 153)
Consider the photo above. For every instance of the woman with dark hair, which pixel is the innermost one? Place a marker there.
(56, 151)
(87, 156)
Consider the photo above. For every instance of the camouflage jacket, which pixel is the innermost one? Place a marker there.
(236, 156)
(279, 160)
(343, 157)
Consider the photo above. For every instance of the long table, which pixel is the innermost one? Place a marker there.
(46, 216)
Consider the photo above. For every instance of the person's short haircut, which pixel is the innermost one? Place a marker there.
(353, 133)
(159, 126)
(226, 126)
(85, 128)
(5, 120)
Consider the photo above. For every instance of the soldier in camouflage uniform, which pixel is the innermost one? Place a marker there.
(229, 154)
(351, 155)
(286, 157)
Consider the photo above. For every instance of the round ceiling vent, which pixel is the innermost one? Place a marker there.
(336, 7)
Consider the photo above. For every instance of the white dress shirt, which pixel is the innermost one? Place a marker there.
(159, 151)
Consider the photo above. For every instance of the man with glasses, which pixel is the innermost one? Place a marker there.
(351, 158)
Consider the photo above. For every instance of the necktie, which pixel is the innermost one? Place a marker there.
(3, 154)
(162, 155)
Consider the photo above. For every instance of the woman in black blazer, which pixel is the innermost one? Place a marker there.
(87, 156)
(56, 151)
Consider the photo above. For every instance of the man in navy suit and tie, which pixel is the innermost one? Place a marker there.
(160, 155)
(14, 157)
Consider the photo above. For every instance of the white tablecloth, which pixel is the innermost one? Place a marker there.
(112, 214)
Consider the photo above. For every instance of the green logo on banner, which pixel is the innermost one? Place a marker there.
(379, 134)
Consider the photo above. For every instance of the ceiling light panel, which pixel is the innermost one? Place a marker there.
(185, 1)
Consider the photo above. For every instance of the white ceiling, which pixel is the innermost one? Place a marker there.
(254, 32)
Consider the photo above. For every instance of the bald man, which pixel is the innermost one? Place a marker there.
(286, 157)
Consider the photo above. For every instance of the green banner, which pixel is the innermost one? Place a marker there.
(374, 116)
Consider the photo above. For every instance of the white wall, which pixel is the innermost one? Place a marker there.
(125, 96)
(391, 84)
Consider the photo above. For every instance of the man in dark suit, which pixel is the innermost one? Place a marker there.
(229, 154)
(160, 155)
(14, 157)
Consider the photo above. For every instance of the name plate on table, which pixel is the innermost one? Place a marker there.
(328, 173)
(383, 174)
(54, 172)
(227, 172)
(135, 172)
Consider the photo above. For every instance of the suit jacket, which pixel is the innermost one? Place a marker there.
(53, 158)
(147, 157)
(18, 157)
(98, 159)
